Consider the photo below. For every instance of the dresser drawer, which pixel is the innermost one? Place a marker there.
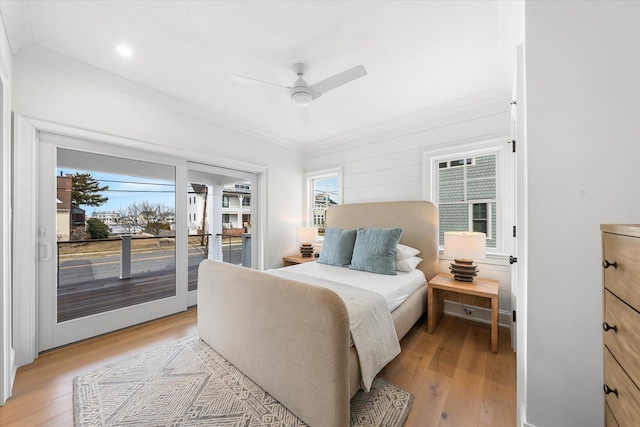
(609, 419)
(624, 340)
(626, 404)
(623, 280)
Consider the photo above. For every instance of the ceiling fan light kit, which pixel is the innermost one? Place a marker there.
(301, 96)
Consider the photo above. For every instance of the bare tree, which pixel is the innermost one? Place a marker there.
(130, 218)
(156, 216)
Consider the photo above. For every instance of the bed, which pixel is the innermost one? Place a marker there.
(293, 338)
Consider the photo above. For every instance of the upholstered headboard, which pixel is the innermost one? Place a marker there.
(418, 220)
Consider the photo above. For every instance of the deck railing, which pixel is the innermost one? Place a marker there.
(124, 257)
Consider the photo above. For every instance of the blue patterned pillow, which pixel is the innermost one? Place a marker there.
(337, 247)
(375, 250)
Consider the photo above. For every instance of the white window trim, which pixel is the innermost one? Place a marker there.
(308, 191)
(504, 181)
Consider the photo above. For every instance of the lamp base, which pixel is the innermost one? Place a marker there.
(306, 250)
(463, 270)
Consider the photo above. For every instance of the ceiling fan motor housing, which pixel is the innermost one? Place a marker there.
(301, 94)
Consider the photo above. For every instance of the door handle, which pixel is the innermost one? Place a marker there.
(45, 251)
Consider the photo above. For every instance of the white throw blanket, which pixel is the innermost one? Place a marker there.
(372, 330)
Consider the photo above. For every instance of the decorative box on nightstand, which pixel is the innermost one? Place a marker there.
(296, 259)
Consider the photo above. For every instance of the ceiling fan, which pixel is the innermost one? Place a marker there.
(301, 92)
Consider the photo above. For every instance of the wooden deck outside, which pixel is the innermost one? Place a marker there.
(99, 296)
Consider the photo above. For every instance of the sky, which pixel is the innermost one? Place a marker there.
(328, 185)
(125, 190)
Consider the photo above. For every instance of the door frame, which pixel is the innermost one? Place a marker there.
(7, 353)
(25, 303)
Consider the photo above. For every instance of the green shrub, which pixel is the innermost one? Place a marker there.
(97, 229)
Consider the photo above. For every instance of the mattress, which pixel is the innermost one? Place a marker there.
(394, 289)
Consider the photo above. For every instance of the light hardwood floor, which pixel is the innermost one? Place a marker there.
(454, 377)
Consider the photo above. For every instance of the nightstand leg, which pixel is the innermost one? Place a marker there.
(494, 324)
(435, 307)
(430, 311)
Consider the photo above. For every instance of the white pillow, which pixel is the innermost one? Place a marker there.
(404, 251)
(408, 264)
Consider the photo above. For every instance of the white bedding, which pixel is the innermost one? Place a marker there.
(394, 289)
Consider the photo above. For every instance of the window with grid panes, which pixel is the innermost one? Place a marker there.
(324, 191)
(467, 195)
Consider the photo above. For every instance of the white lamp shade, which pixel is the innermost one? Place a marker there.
(306, 234)
(465, 244)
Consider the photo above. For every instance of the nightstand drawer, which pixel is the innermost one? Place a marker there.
(624, 341)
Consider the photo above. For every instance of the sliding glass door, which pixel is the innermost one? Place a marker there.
(107, 241)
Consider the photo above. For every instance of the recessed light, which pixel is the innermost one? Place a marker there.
(124, 51)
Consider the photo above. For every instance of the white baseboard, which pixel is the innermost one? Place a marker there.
(523, 418)
(478, 314)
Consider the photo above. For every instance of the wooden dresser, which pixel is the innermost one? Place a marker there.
(621, 323)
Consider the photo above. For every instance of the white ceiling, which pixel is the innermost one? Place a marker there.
(418, 54)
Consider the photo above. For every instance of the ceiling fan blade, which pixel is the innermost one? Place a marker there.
(303, 116)
(248, 80)
(338, 80)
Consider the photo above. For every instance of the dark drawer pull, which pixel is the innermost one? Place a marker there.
(608, 390)
(607, 327)
(607, 264)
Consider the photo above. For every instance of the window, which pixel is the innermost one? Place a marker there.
(246, 201)
(472, 190)
(467, 194)
(324, 189)
(480, 218)
(225, 201)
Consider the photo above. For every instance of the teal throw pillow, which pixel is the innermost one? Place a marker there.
(375, 250)
(337, 247)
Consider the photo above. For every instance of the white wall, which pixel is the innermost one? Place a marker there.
(389, 166)
(55, 88)
(583, 137)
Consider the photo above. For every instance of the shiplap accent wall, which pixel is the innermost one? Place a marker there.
(389, 166)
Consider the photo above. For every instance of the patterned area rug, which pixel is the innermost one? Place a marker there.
(186, 383)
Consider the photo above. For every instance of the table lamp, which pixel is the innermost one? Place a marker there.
(306, 236)
(464, 247)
